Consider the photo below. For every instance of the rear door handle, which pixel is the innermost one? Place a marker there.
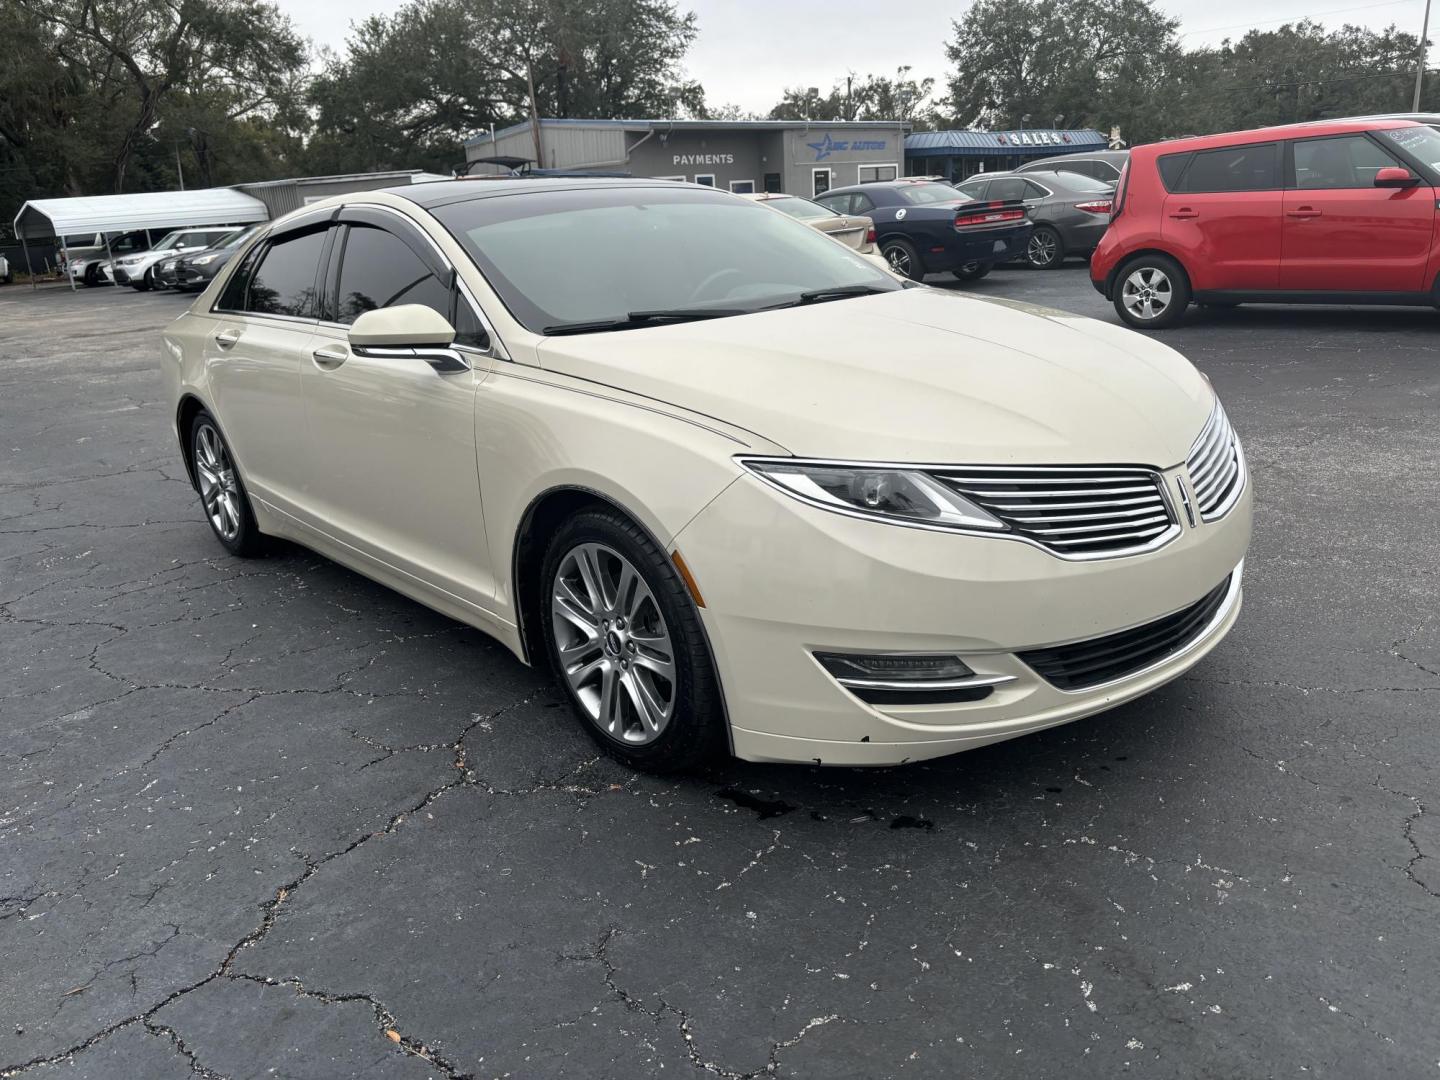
(227, 338)
(331, 356)
(1185, 213)
(1303, 212)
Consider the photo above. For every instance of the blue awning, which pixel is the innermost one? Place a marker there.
(1031, 142)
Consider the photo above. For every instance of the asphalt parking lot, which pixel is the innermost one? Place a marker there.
(268, 819)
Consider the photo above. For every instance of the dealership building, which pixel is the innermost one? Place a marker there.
(801, 157)
(958, 154)
(796, 156)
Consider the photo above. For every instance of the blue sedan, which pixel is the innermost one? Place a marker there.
(925, 227)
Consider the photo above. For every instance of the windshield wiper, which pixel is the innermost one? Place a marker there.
(643, 318)
(834, 292)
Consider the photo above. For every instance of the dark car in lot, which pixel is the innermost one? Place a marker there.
(196, 269)
(1098, 164)
(1070, 211)
(923, 227)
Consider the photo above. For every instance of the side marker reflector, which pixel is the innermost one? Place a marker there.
(687, 577)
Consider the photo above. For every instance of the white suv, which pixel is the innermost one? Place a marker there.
(138, 270)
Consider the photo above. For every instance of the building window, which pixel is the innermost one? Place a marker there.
(708, 179)
(743, 187)
(819, 181)
(772, 182)
(871, 174)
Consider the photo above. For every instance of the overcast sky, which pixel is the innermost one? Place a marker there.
(748, 51)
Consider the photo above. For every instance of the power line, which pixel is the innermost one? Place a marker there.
(1292, 18)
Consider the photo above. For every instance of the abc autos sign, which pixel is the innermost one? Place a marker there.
(827, 146)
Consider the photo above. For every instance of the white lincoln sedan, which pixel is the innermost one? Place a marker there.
(740, 489)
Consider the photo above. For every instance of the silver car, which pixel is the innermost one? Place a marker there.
(1071, 212)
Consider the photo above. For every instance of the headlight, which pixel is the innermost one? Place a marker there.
(890, 493)
(204, 260)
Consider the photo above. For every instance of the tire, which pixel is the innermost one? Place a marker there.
(903, 259)
(146, 282)
(1151, 292)
(973, 271)
(1044, 250)
(222, 492)
(92, 277)
(592, 646)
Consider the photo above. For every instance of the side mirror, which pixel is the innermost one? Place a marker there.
(1393, 177)
(407, 330)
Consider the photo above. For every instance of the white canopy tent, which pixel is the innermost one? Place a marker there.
(43, 218)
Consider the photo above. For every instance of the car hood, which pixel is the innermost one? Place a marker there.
(918, 375)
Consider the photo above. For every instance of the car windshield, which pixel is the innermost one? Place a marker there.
(233, 237)
(919, 194)
(1421, 141)
(168, 241)
(630, 256)
(800, 208)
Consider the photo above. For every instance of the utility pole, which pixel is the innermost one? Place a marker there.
(535, 115)
(181, 172)
(1420, 71)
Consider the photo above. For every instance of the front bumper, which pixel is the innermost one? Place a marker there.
(781, 580)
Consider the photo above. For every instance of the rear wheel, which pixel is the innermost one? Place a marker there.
(222, 492)
(973, 271)
(1045, 250)
(903, 259)
(1151, 292)
(626, 644)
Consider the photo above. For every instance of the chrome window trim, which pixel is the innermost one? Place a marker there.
(1154, 544)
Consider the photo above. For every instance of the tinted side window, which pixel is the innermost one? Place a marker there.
(974, 189)
(233, 298)
(1350, 161)
(378, 270)
(1172, 166)
(1009, 188)
(1035, 191)
(284, 282)
(839, 203)
(468, 330)
(1234, 168)
(861, 204)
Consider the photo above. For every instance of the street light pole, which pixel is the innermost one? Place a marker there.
(1420, 71)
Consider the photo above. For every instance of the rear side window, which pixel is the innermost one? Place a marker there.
(1233, 168)
(974, 189)
(1172, 166)
(1009, 188)
(379, 270)
(284, 281)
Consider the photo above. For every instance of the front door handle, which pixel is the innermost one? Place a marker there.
(1303, 212)
(330, 357)
(1185, 213)
(227, 338)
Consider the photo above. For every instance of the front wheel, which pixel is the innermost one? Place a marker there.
(1044, 250)
(903, 259)
(627, 646)
(145, 282)
(973, 271)
(1151, 292)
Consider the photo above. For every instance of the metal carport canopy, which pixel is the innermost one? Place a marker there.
(42, 218)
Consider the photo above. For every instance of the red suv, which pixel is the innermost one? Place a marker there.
(1342, 211)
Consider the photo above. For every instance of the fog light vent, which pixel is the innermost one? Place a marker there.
(908, 678)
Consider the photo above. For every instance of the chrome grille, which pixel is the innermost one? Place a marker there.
(1215, 466)
(1075, 511)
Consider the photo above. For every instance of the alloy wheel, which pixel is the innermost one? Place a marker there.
(899, 260)
(613, 645)
(219, 486)
(1041, 250)
(1147, 293)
